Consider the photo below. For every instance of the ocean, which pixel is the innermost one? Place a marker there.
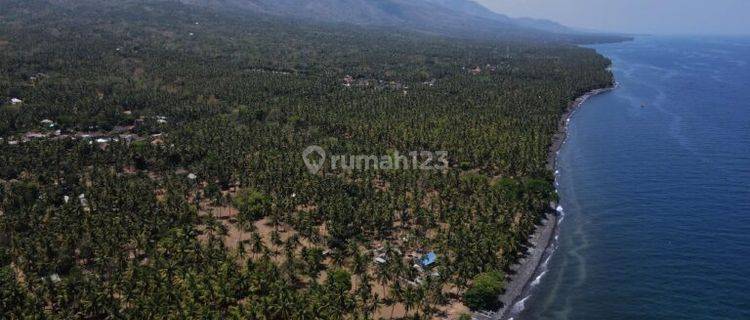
(654, 180)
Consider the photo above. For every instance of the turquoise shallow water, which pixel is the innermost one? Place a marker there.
(654, 181)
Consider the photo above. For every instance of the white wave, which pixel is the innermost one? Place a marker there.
(519, 306)
(559, 209)
(546, 261)
(557, 172)
(538, 279)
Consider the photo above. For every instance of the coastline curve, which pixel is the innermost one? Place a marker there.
(529, 270)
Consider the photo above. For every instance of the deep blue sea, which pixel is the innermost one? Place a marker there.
(654, 182)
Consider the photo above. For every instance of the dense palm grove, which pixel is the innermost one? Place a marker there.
(150, 162)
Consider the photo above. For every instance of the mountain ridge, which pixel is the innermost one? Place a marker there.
(451, 17)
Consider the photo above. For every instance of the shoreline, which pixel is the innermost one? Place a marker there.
(527, 269)
(558, 139)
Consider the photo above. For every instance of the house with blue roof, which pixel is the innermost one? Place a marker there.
(428, 259)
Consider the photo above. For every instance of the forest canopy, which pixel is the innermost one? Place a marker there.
(150, 162)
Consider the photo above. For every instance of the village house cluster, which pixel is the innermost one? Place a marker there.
(350, 81)
(49, 129)
(477, 70)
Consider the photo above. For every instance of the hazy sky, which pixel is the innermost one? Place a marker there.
(636, 16)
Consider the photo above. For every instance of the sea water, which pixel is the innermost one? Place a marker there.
(654, 180)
